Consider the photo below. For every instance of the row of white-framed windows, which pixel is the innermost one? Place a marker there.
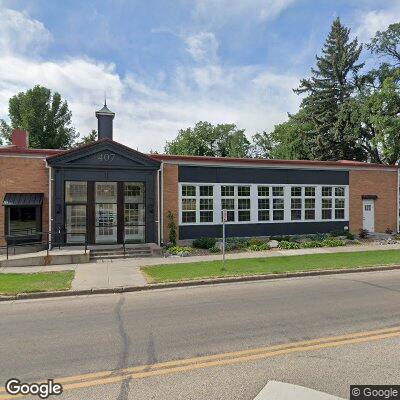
(333, 202)
(203, 203)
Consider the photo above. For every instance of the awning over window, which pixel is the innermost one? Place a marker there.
(369, 196)
(23, 199)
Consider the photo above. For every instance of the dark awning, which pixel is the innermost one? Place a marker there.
(23, 199)
(369, 196)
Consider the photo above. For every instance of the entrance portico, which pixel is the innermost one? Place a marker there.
(105, 192)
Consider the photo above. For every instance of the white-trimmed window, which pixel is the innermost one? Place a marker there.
(296, 203)
(309, 203)
(243, 203)
(340, 202)
(228, 201)
(206, 201)
(278, 203)
(263, 203)
(333, 202)
(189, 202)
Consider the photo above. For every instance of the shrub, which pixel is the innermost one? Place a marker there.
(350, 235)
(255, 241)
(215, 249)
(312, 244)
(175, 250)
(259, 247)
(363, 234)
(317, 236)
(285, 245)
(234, 243)
(332, 242)
(171, 228)
(204, 243)
(389, 231)
(338, 233)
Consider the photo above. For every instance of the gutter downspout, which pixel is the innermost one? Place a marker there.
(50, 201)
(162, 203)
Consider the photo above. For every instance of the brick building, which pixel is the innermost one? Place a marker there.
(105, 192)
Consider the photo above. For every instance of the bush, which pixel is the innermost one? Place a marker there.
(256, 241)
(171, 228)
(214, 249)
(312, 244)
(332, 242)
(285, 245)
(317, 236)
(176, 250)
(389, 231)
(259, 247)
(204, 243)
(363, 233)
(350, 235)
(234, 243)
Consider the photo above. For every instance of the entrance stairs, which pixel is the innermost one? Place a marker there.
(108, 252)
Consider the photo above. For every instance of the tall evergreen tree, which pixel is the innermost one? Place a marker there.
(331, 84)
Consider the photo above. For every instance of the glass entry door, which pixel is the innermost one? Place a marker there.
(134, 212)
(106, 212)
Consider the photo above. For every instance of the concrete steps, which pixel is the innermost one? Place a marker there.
(118, 252)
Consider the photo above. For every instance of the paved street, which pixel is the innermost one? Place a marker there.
(73, 336)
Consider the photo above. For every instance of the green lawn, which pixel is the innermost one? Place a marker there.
(37, 282)
(269, 265)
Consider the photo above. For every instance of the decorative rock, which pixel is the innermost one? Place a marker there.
(273, 244)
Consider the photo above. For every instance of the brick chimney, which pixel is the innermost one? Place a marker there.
(20, 138)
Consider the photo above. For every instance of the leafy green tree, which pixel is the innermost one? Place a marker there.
(288, 141)
(90, 138)
(44, 115)
(332, 83)
(205, 139)
(387, 43)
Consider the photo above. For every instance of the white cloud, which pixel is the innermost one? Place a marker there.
(202, 46)
(20, 33)
(222, 11)
(370, 22)
(147, 115)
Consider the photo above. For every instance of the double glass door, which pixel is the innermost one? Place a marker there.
(109, 212)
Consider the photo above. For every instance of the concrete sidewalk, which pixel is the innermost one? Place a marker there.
(126, 272)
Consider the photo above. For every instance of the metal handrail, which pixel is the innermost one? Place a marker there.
(49, 242)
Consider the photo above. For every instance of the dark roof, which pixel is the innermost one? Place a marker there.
(23, 199)
(231, 160)
(105, 111)
(23, 150)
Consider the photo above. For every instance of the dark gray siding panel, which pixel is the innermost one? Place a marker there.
(262, 175)
(246, 230)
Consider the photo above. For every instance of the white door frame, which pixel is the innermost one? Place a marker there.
(368, 214)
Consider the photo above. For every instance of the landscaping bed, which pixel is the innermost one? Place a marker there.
(11, 283)
(208, 245)
(269, 265)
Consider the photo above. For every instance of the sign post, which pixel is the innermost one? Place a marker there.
(224, 219)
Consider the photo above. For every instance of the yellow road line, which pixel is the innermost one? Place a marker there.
(169, 367)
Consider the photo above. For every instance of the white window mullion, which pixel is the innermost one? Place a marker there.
(318, 203)
(287, 203)
(253, 204)
(217, 204)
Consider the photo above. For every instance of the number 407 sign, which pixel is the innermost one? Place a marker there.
(105, 157)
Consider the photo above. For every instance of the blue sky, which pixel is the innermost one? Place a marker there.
(167, 64)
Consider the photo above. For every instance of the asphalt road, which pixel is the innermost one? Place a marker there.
(57, 338)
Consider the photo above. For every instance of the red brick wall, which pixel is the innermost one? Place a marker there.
(372, 182)
(23, 175)
(170, 197)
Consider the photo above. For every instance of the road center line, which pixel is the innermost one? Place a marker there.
(184, 365)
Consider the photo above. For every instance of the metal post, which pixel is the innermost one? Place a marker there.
(224, 218)
(7, 250)
(86, 242)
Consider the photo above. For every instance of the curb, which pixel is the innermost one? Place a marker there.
(198, 282)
